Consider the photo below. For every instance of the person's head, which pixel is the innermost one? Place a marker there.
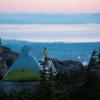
(44, 48)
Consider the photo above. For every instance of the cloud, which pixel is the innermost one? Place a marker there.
(52, 33)
(43, 18)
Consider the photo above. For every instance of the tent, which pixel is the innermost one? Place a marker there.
(26, 68)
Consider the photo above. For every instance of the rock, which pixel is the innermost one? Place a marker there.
(67, 66)
(7, 58)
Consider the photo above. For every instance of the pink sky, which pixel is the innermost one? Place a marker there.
(50, 6)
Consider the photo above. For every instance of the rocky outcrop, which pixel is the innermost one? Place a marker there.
(7, 58)
(67, 66)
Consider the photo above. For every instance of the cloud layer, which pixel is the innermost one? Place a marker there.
(52, 33)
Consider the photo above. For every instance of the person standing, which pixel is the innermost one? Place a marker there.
(45, 53)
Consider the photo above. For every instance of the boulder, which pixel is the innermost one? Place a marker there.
(67, 66)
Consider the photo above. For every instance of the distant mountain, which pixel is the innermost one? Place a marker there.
(61, 51)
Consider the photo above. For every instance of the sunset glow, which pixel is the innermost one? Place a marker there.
(50, 6)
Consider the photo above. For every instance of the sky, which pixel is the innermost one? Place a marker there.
(50, 6)
(50, 20)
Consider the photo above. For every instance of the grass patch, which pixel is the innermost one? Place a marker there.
(22, 76)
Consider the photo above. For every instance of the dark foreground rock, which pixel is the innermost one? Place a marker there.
(8, 86)
(58, 89)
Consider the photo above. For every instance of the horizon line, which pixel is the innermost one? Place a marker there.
(50, 41)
